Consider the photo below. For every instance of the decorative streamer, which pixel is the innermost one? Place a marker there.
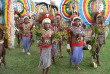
(86, 11)
(77, 5)
(32, 5)
(28, 6)
(42, 9)
(11, 32)
(64, 10)
(8, 18)
(1, 15)
(93, 6)
(23, 6)
(8, 13)
(4, 10)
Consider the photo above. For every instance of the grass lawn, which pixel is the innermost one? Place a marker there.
(20, 63)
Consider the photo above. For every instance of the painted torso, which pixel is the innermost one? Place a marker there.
(77, 35)
(17, 22)
(26, 29)
(46, 37)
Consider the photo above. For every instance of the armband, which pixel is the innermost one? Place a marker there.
(68, 46)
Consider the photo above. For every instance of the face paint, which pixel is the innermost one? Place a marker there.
(77, 22)
(26, 21)
(46, 25)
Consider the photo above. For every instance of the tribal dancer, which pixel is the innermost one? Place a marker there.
(17, 23)
(99, 32)
(45, 42)
(3, 39)
(26, 36)
(32, 21)
(60, 28)
(3, 44)
(75, 42)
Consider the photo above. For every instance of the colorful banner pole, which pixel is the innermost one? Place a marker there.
(8, 18)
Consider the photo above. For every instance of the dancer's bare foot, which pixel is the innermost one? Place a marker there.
(61, 55)
(77, 67)
(4, 66)
(98, 63)
(53, 58)
(70, 64)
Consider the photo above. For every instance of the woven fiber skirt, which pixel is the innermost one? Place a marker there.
(101, 39)
(45, 58)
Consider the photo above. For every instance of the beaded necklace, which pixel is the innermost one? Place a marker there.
(76, 30)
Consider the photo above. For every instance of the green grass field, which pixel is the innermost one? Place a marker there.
(20, 63)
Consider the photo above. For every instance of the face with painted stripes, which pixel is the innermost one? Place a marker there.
(77, 23)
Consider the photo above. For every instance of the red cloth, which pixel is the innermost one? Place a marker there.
(26, 36)
(46, 47)
(77, 45)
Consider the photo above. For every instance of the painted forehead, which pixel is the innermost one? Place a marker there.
(77, 19)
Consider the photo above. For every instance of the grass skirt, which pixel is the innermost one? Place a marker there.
(45, 58)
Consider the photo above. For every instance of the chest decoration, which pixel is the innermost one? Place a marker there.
(77, 30)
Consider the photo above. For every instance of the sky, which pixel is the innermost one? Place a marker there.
(57, 2)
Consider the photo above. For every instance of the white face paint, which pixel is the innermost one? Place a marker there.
(0, 12)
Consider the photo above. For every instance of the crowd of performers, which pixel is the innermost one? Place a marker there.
(51, 31)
